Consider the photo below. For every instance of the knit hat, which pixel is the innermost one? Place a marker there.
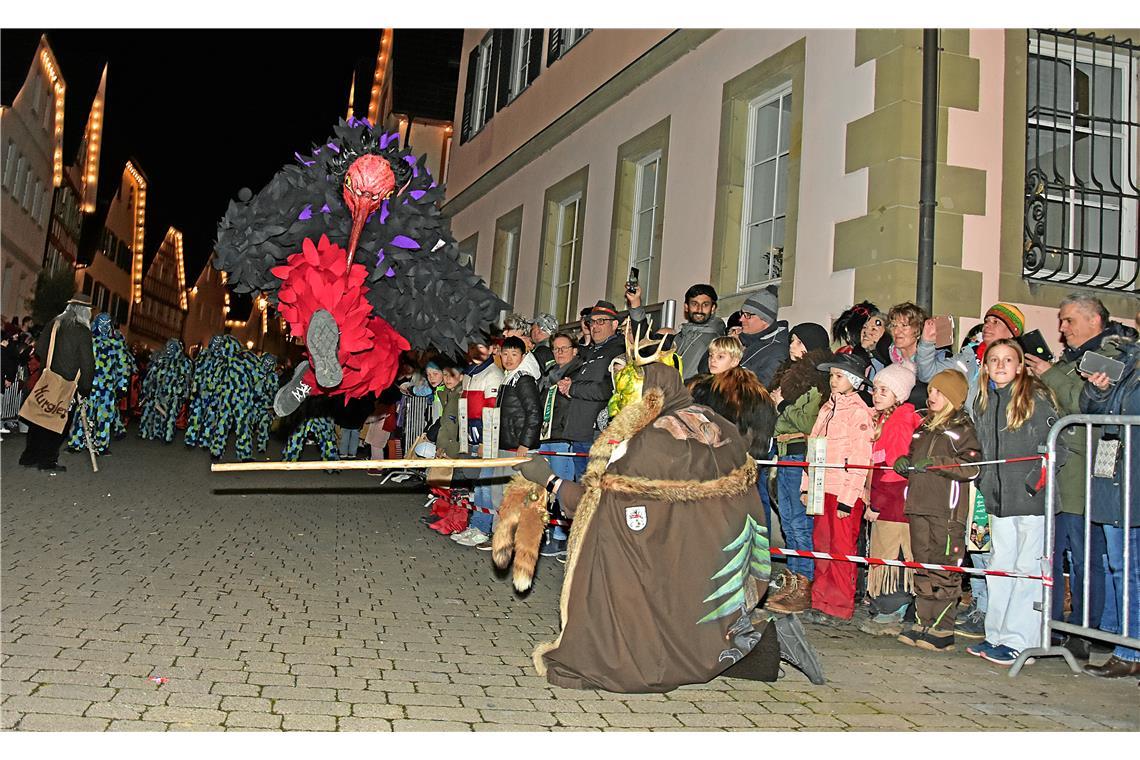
(764, 303)
(812, 335)
(950, 383)
(898, 379)
(1010, 315)
(546, 322)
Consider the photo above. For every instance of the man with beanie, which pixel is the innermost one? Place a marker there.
(701, 326)
(1002, 320)
(765, 339)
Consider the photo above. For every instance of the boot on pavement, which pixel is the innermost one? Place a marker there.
(797, 599)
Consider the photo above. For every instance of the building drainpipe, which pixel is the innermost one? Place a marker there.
(924, 280)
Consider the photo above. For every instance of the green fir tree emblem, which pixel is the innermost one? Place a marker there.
(751, 558)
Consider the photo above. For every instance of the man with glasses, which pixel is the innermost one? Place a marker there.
(765, 340)
(586, 382)
(555, 415)
(701, 326)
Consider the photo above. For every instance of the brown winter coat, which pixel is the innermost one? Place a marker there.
(941, 492)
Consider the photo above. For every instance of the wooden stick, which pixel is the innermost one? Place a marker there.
(87, 433)
(369, 464)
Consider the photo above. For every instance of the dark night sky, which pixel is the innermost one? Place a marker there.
(207, 112)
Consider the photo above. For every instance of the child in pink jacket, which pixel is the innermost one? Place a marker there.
(845, 421)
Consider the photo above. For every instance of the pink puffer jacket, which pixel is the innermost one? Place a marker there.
(846, 422)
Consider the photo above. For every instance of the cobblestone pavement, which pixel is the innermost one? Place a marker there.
(318, 602)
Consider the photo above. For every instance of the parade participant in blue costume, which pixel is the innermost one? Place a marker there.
(203, 397)
(165, 387)
(113, 367)
(267, 384)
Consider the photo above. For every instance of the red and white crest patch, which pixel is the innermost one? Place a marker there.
(635, 517)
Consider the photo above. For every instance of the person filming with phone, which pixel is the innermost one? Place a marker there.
(1086, 328)
(701, 326)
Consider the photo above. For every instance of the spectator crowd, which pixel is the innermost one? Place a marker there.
(880, 387)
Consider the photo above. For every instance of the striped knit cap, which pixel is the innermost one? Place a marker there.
(1010, 315)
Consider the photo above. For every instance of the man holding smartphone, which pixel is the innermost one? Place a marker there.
(701, 326)
(1085, 326)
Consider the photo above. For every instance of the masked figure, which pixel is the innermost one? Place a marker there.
(266, 389)
(398, 281)
(165, 388)
(113, 367)
(203, 399)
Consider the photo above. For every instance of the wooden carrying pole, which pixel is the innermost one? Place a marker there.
(368, 464)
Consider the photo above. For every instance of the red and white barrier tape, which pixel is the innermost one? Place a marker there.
(775, 551)
(846, 466)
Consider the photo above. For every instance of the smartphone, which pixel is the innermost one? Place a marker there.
(1033, 343)
(631, 283)
(943, 331)
(1092, 363)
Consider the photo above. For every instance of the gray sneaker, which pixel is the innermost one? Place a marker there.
(971, 625)
(292, 393)
(322, 339)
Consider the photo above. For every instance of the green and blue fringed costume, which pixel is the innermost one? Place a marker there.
(113, 367)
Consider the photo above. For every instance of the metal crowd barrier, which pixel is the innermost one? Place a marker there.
(1088, 629)
(12, 398)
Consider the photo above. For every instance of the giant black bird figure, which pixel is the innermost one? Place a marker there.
(399, 283)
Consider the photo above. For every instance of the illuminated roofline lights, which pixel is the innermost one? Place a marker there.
(47, 59)
(140, 230)
(378, 75)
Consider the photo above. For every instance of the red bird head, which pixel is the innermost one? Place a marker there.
(366, 184)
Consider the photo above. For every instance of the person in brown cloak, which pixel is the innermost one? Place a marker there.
(668, 553)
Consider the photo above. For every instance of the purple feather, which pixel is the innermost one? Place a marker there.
(303, 161)
(333, 148)
(410, 159)
(403, 241)
(325, 209)
(390, 273)
(384, 212)
(306, 212)
(417, 194)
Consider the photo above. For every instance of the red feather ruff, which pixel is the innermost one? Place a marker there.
(317, 278)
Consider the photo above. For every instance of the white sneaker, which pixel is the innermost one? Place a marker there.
(462, 534)
(477, 537)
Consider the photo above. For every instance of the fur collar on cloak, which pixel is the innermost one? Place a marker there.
(664, 394)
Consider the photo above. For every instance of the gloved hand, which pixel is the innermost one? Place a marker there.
(537, 470)
(842, 510)
(904, 466)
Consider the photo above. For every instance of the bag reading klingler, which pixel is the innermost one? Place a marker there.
(48, 403)
(978, 536)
